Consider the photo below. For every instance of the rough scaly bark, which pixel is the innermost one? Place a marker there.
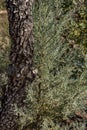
(20, 70)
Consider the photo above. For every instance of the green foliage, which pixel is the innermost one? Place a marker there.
(4, 49)
(2, 4)
(4, 42)
(60, 88)
(60, 60)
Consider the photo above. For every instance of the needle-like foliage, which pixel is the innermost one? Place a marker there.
(60, 59)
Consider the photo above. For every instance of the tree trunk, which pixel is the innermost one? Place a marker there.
(20, 70)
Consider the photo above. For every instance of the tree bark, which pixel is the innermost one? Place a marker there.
(20, 69)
